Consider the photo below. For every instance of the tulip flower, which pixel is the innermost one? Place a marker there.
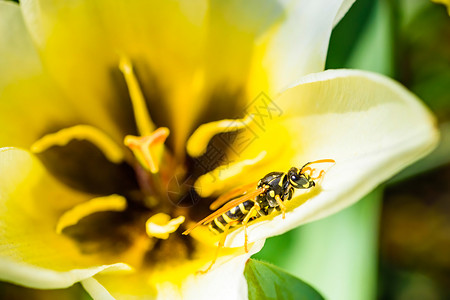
(121, 121)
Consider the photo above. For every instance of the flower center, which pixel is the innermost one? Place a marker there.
(134, 218)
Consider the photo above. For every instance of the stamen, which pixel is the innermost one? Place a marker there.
(80, 211)
(112, 151)
(197, 143)
(148, 149)
(160, 225)
(143, 120)
(208, 184)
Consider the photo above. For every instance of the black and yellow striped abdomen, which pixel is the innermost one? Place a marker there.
(236, 214)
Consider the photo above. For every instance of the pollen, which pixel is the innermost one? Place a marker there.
(161, 225)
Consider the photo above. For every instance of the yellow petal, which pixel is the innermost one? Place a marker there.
(160, 225)
(107, 203)
(77, 53)
(445, 2)
(218, 51)
(82, 43)
(255, 152)
(214, 53)
(26, 91)
(128, 286)
(216, 180)
(31, 252)
(370, 125)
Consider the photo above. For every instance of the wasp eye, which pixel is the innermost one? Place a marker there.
(295, 178)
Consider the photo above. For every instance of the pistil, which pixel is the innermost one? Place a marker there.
(148, 149)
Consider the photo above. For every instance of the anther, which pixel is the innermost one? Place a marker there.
(161, 225)
(112, 151)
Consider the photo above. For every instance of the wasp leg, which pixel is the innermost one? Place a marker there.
(221, 243)
(281, 205)
(247, 218)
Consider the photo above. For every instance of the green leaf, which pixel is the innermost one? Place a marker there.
(266, 281)
(348, 32)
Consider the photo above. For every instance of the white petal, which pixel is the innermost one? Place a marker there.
(36, 277)
(345, 6)
(96, 290)
(299, 46)
(369, 124)
(225, 281)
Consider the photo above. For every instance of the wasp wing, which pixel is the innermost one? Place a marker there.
(225, 208)
(230, 195)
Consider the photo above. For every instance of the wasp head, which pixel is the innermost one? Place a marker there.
(300, 180)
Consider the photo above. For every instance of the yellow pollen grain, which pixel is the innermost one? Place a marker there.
(161, 225)
(112, 151)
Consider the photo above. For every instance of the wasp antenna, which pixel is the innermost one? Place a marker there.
(328, 160)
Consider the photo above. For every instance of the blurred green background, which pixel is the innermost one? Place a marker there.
(395, 243)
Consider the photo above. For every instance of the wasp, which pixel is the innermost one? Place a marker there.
(240, 207)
